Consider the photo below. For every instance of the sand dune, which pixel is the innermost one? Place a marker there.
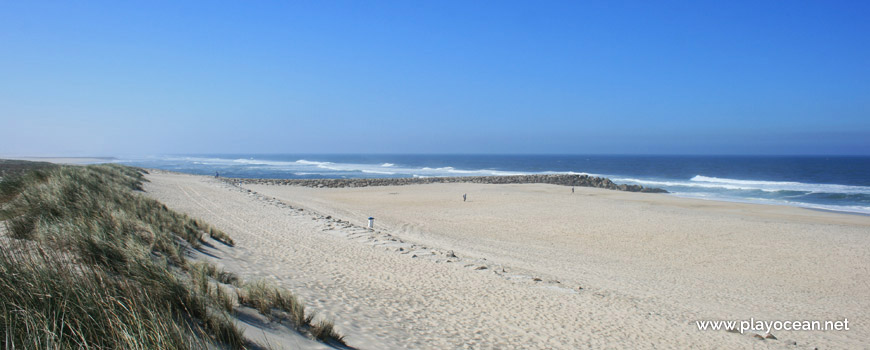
(66, 160)
(649, 265)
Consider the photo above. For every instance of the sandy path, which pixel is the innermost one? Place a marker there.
(642, 287)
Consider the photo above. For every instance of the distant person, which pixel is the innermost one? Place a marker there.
(572, 189)
(217, 175)
(464, 196)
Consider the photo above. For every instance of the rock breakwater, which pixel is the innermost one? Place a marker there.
(553, 179)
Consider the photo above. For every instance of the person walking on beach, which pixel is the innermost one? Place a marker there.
(217, 175)
(572, 189)
(464, 196)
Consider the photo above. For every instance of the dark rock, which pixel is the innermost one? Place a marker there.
(653, 190)
(555, 179)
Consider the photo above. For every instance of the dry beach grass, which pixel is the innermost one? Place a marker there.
(88, 263)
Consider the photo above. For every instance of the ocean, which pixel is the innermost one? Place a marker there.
(828, 183)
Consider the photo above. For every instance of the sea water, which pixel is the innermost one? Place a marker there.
(830, 183)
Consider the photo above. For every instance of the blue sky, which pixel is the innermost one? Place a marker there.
(142, 78)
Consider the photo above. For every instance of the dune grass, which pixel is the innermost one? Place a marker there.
(50, 303)
(279, 304)
(10, 168)
(88, 263)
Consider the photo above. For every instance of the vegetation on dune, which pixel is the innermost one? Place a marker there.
(11, 168)
(88, 263)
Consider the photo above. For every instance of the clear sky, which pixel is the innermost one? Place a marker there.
(693, 77)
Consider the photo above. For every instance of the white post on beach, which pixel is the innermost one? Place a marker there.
(371, 222)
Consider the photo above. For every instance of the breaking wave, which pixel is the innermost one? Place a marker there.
(838, 197)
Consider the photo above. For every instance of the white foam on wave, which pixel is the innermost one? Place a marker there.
(703, 178)
(699, 186)
(701, 181)
(677, 183)
(767, 201)
(378, 172)
(194, 160)
(481, 172)
(569, 173)
(309, 167)
(271, 163)
(308, 162)
(784, 185)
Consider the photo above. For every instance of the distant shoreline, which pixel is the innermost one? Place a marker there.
(838, 184)
(553, 179)
(65, 160)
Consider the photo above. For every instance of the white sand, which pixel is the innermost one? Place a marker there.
(650, 265)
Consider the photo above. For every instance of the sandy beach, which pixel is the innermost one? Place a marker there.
(535, 266)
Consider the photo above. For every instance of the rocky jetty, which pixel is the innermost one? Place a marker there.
(555, 179)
